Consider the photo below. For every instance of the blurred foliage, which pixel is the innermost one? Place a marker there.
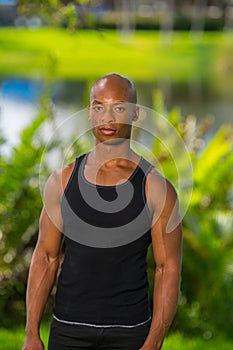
(223, 81)
(20, 209)
(124, 14)
(206, 305)
(65, 13)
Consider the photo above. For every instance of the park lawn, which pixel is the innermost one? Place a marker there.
(144, 56)
(13, 340)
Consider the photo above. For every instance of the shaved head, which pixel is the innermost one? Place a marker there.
(115, 81)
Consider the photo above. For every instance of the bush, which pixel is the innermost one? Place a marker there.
(20, 209)
(206, 304)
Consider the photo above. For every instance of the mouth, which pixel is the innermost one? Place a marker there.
(106, 130)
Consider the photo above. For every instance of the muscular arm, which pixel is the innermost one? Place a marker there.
(44, 264)
(167, 250)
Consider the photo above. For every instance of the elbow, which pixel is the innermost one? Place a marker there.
(45, 258)
(169, 270)
(52, 262)
(160, 269)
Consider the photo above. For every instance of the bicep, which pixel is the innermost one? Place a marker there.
(50, 226)
(50, 236)
(167, 230)
(167, 247)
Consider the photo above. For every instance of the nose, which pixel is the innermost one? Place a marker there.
(108, 115)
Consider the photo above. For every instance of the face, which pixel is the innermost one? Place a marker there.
(111, 111)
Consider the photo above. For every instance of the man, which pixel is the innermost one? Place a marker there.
(110, 204)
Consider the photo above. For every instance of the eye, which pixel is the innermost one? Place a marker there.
(98, 108)
(119, 109)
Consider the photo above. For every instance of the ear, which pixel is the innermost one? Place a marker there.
(136, 114)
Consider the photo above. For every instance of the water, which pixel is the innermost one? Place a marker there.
(20, 98)
(19, 104)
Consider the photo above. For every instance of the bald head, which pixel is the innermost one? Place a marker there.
(113, 83)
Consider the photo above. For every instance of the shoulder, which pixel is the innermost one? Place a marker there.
(58, 180)
(160, 191)
(158, 182)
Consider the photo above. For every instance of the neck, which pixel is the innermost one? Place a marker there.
(104, 152)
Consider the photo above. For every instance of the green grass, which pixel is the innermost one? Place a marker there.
(13, 340)
(88, 54)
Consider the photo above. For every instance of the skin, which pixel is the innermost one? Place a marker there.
(110, 162)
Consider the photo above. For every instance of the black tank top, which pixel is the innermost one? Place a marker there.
(103, 280)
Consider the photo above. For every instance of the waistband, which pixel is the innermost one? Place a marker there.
(101, 325)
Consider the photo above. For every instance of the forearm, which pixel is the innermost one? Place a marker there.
(41, 279)
(165, 298)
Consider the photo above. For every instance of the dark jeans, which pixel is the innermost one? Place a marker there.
(79, 337)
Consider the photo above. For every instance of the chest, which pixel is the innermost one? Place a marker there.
(108, 176)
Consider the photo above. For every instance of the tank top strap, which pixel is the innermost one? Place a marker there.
(146, 166)
(79, 160)
(74, 173)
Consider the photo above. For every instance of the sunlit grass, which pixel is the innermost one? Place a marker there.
(13, 340)
(87, 54)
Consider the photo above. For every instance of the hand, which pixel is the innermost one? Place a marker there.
(33, 342)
